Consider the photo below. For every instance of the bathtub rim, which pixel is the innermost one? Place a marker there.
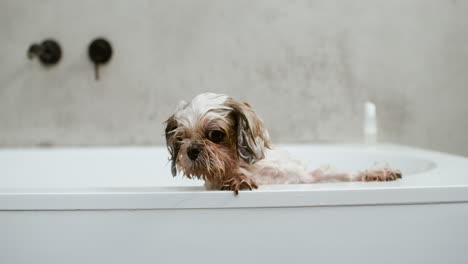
(451, 188)
(197, 198)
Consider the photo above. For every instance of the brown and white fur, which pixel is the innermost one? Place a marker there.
(222, 141)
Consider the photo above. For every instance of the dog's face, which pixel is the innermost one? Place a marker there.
(212, 135)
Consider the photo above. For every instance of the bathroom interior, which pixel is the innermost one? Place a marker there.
(86, 88)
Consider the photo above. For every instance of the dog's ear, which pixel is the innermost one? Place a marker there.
(172, 146)
(171, 143)
(251, 135)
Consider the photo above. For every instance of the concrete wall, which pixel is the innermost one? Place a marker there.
(305, 66)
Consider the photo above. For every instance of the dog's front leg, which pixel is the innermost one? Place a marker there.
(238, 181)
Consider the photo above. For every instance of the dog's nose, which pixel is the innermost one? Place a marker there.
(193, 152)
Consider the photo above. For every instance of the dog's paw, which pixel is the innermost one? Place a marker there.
(238, 183)
(384, 174)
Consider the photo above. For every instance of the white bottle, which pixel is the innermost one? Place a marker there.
(370, 123)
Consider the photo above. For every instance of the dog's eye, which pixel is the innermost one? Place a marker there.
(216, 136)
(179, 139)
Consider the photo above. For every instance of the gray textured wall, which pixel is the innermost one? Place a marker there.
(305, 66)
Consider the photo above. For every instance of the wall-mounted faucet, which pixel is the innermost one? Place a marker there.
(100, 52)
(48, 52)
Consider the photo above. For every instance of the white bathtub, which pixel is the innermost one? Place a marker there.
(120, 205)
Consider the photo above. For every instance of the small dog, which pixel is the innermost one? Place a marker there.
(222, 141)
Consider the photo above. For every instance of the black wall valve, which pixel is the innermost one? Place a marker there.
(48, 52)
(100, 52)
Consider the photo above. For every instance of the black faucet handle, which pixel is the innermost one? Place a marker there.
(48, 52)
(100, 52)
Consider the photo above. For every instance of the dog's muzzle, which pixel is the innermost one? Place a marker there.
(193, 152)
